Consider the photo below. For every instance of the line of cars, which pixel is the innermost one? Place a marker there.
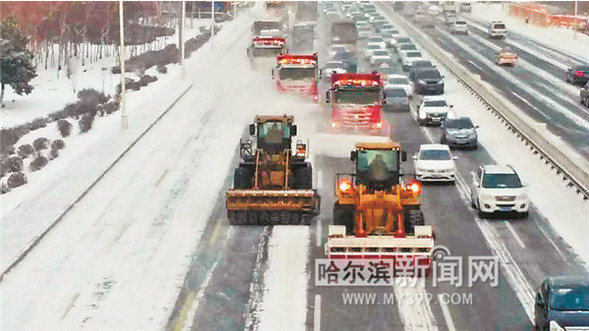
(561, 302)
(496, 187)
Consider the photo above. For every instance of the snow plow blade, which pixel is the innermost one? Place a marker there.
(271, 207)
(416, 250)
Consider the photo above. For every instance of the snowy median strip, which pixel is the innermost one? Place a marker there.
(284, 305)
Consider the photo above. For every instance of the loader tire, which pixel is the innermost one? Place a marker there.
(412, 218)
(344, 215)
(242, 178)
(303, 177)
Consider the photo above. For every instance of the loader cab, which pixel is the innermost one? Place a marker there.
(378, 165)
(274, 135)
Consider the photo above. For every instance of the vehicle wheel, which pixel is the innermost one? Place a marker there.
(344, 215)
(303, 177)
(443, 140)
(413, 217)
(476, 146)
(242, 178)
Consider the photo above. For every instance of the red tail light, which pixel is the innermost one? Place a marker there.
(579, 73)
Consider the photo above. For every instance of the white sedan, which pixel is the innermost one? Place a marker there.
(371, 48)
(434, 162)
(380, 56)
(400, 81)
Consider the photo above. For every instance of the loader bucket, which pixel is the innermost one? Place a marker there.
(271, 207)
(410, 252)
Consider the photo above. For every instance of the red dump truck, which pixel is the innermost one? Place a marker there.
(297, 74)
(356, 103)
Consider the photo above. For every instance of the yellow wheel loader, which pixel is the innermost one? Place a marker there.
(273, 184)
(375, 215)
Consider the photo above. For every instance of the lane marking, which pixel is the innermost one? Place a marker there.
(446, 313)
(531, 105)
(190, 305)
(256, 287)
(317, 313)
(414, 307)
(476, 65)
(515, 235)
(318, 236)
(564, 258)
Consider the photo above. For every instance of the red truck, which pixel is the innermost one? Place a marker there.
(263, 51)
(297, 74)
(356, 103)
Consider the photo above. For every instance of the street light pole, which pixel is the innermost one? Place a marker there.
(575, 19)
(124, 121)
(182, 38)
(212, 21)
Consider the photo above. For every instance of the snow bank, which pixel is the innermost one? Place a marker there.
(284, 306)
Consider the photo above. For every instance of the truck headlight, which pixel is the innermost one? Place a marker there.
(555, 327)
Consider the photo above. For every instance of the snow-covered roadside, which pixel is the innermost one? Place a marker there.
(53, 91)
(118, 260)
(284, 306)
(558, 38)
(29, 210)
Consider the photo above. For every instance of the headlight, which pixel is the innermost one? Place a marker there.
(422, 82)
(420, 169)
(555, 327)
(450, 114)
(522, 196)
(441, 82)
(422, 115)
(473, 134)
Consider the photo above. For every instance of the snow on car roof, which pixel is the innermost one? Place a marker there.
(434, 98)
(498, 169)
(434, 146)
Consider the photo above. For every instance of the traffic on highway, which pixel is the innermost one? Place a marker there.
(332, 165)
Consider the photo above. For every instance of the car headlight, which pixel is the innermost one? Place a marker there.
(422, 82)
(555, 327)
(441, 82)
(522, 196)
(473, 134)
(450, 114)
(420, 169)
(422, 115)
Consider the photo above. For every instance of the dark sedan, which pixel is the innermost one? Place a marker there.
(577, 74)
(459, 132)
(427, 81)
(562, 303)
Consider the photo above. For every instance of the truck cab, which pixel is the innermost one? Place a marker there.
(297, 74)
(356, 102)
(264, 50)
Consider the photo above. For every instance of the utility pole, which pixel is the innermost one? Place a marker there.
(181, 37)
(212, 22)
(124, 121)
(575, 19)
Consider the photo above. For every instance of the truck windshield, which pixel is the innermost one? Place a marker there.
(267, 51)
(273, 132)
(296, 73)
(378, 164)
(357, 96)
(259, 26)
(343, 32)
(570, 299)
